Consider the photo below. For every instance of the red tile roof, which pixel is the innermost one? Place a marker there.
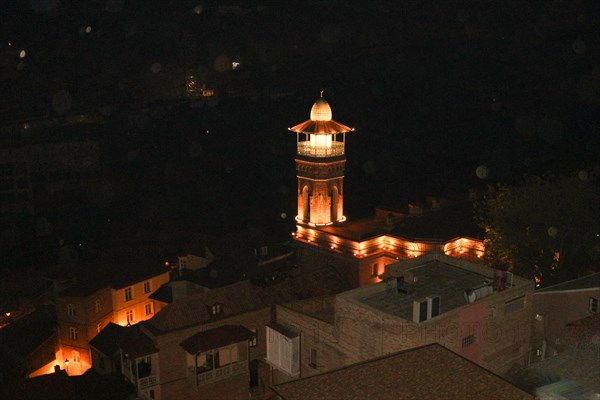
(196, 309)
(135, 343)
(243, 297)
(430, 372)
(215, 338)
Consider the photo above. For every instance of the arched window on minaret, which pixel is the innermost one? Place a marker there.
(305, 204)
(334, 203)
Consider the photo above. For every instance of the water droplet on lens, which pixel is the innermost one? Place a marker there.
(482, 172)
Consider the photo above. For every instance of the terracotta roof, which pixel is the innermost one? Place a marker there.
(430, 372)
(163, 294)
(106, 340)
(135, 343)
(215, 338)
(195, 309)
(585, 282)
(117, 268)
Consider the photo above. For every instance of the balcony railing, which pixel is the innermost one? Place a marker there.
(203, 378)
(307, 149)
(147, 381)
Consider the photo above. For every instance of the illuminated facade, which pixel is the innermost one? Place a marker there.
(84, 310)
(359, 250)
(320, 161)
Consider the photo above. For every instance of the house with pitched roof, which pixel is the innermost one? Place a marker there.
(106, 358)
(115, 288)
(210, 342)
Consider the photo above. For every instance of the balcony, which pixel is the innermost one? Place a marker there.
(332, 149)
(143, 383)
(204, 377)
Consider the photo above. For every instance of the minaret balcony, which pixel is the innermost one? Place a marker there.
(332, 149)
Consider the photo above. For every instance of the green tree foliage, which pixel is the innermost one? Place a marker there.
(545, 227)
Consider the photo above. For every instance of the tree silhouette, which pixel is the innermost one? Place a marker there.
(545, 228)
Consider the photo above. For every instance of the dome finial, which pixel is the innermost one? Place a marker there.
(321, 93)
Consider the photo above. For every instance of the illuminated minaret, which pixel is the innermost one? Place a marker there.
(320, 161)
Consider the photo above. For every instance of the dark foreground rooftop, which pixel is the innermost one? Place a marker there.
(429, 372)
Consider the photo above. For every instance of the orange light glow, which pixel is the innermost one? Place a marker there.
(46, 369)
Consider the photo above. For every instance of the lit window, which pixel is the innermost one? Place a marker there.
(75, 357)
(593, 305)
(97, 306)
(71, 310)
(147, 287)
(128, 294)
(468, 340)
(216, 309)
(312, 362)
(252, 342)
(73, 333)
(148, 308)
(129, 316)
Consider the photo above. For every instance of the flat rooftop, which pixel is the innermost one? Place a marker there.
(433, 277)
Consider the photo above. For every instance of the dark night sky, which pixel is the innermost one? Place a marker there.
(435, 89)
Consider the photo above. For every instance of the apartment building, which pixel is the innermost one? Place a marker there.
(208, 342)
(208, 345)
(111, 290)
(478, 313)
